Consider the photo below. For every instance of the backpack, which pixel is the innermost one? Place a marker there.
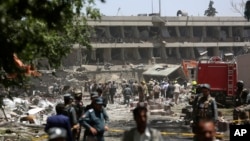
(127, 91)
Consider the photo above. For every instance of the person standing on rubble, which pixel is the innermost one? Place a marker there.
(144, 91)
(135, 88)
(177, 91)
(79, 108)
(156, 90)
(94, 122)
(112, 91)
(170, 90)
(59, 120)
(127, 93)
(204, 106)
(142, 132)
(70, 111)
(105, 93)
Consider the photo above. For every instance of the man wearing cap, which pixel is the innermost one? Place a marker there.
(79, 108)
(205, 106)
(71, 113)
(59, 120)
(94, 122)
(57, 134)
(142, 132)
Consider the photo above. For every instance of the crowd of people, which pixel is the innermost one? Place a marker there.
(73, 116)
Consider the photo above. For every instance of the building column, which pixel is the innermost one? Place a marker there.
(163, 52)
(216, 51)
(218, 32)
(204, 32)
(136, 54)
(122, 54)
(107, 55)
(178, 55)
(150, 53)
(191, 49)
(93, 54)
(241, 32)
(230, 31)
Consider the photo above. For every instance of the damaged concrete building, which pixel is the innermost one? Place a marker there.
(125, 38)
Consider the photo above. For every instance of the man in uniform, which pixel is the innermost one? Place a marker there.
(112, 91)
(94, 121)
(79, 108)
(204, 106)
(71, 113)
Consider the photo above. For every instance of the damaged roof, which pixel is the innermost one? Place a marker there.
(161, 70)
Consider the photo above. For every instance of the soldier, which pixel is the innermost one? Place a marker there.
(135, 88)
(105, 93)
(71, 113)
(79, 108)
(94, 122)
(112, 91)
(144, 91)
(156, 90)
(204, 106)
(240, 100)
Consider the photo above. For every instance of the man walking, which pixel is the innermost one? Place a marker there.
(59, 120)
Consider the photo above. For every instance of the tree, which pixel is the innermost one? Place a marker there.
(211, 11)
(32, 29)
(238, 7)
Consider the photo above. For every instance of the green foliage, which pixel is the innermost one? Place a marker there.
(211, 11)
(41, 29)
(247, 11)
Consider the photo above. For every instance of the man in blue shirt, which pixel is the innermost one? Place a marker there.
(59, 120)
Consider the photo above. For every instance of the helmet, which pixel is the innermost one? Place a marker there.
(207, 86)
(77, 93)
(194, 82)
(240, 83)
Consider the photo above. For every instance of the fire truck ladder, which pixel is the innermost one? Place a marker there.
(230, 88)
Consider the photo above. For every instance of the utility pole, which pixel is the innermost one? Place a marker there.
(152, 6)
(159, 7)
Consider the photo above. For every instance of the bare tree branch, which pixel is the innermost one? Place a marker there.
(238, 7)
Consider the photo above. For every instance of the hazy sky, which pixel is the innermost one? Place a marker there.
(168, 7)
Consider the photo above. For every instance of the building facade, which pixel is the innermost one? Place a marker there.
(127, 38)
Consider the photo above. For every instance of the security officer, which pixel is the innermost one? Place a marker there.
(94, 122)
(204, 106)
(79, 107)
(238, 94)
(71, 113)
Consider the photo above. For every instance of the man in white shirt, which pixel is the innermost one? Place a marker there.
(177, 91)
(142, 132)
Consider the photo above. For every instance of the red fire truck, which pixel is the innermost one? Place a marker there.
(222, 77)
